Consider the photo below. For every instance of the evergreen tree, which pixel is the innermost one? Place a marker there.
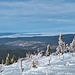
(72, 46)
(14, 59)
(48, 52)
(8, 60)
(61, 45)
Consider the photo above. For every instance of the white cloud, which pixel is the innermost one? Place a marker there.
(37, 9)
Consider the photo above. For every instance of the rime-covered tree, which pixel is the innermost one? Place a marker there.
(8, 60)
(14, 59)
(48, 51)
(61, 45)
(72, 46)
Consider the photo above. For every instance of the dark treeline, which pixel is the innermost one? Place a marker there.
(18, 53)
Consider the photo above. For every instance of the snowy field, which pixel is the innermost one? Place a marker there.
(56, 67)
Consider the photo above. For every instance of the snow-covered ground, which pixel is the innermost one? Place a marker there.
(56, 67)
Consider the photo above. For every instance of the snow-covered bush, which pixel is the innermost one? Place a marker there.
(33, 65)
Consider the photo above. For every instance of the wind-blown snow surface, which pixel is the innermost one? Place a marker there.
(57, 66)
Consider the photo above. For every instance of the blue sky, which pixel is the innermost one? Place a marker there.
(52, 16)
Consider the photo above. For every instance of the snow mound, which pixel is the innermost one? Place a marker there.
(56, 67)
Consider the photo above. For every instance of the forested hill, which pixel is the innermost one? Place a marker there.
(48, 39)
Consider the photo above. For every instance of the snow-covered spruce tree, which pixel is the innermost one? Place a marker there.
(61, 45)
(8, 60)
(14, 59)
(72, 46)
(48, 51)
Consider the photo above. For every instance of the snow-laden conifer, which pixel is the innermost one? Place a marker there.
(8, 60)
(48, 51)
